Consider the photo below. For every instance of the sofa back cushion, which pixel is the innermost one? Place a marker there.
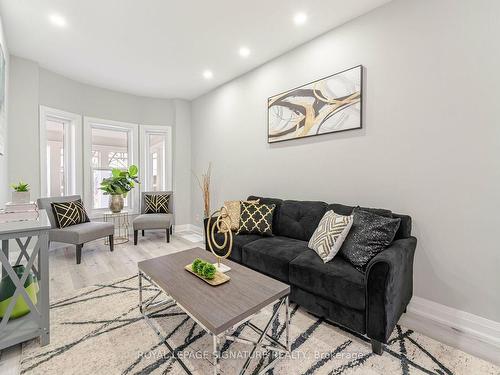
(404, 230)
(299, 219)
(277, 209)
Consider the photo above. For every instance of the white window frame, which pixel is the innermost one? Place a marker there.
(72, 149)
(133, 158)
(145, 132)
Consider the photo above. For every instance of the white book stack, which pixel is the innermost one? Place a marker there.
(19, 212)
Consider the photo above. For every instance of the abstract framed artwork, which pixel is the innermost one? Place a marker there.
(328, 105)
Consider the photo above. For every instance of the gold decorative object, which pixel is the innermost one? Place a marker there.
(222, 225)
(218, 279)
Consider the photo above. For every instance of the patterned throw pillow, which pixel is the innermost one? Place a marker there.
(156, 203)
(369, 235)
(256, 218)
(330, 234)
(69, 213)
(233, 209)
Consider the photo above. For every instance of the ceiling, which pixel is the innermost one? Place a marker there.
(160, 48)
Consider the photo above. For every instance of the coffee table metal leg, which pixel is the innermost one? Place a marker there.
(287, 323)
(216, 354)
(139, 276)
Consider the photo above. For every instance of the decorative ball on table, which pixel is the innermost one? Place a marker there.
(223, 225)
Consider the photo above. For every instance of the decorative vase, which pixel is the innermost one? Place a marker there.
(7, 289)
(115, 203)
(20, 197)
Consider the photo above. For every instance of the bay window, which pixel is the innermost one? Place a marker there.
(107, 145)
(156, 158)
(60, 150)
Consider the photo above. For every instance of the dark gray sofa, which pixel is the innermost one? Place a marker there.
(369, 303)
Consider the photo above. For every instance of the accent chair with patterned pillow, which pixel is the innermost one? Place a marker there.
(156, 213)
(70, 223)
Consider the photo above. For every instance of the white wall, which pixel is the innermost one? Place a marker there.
(4, 166)
(430, 147)
(32, 86)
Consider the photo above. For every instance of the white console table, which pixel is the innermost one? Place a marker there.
(36, 259)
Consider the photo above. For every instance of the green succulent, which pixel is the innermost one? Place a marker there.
(208, 271)
(196, 264)
(203, 269)
(21, 187)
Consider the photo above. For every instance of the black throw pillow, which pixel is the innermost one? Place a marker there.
(256, 218)
(369, 235)
(69, 213)
(156, 203)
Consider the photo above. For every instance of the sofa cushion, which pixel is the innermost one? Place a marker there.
(347, 210)
(276, 214)
(69, 213)
(82, 233)
(156, 203)
(233, 211)
(272, 256)
(330, 234)
(404, 230)
(369, 235)
(239, 241)
(336, 280)
(299, 219)
(152, 221)
(256, 218)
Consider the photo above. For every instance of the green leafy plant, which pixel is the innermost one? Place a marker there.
(121, 181)
(204, 269)
(196, 264)
(208, 271)
(21, 187)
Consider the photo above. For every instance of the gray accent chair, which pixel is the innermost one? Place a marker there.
(154, 221)
(75, 234)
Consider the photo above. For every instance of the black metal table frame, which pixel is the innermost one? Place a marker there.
(274, 345)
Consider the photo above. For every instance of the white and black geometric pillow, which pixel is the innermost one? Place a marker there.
(256, 218)
(69, 213)
(156, 203)
(330, 234)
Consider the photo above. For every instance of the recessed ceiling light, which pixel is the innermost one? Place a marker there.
(57, 20)
(207, 74)
(300, 18)
(244, 51)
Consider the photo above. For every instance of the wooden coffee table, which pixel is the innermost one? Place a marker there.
(217, 309)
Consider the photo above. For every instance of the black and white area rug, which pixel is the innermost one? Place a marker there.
(99, 331)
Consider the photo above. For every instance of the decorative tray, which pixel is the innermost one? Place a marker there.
(219, 278)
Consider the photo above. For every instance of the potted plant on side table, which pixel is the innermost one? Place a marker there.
(21, 193)
(118, 185)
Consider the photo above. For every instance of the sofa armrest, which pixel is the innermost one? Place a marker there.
(389, 287)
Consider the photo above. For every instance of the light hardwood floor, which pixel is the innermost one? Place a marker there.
(98, 265)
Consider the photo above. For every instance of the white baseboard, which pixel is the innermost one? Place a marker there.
(188, 228)
(468, 332)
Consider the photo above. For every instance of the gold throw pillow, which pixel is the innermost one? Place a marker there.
(233, 210)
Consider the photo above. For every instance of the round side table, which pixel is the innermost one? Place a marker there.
(120, 220)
